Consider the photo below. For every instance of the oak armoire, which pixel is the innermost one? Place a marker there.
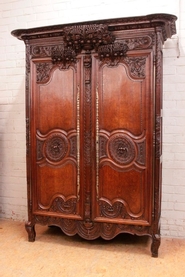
(94, 126)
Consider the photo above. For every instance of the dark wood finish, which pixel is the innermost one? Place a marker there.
(94, 124)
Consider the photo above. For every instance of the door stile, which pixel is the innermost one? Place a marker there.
(87, 134)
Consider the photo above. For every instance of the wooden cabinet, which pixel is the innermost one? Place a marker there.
(94, 126)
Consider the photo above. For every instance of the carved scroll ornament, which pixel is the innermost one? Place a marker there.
(116, 209)
(61, 205)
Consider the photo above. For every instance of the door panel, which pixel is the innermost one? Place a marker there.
(119, 97)
(57, 102)
(124, 130)
(56, 180)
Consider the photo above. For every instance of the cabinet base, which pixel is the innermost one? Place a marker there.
(94, 230)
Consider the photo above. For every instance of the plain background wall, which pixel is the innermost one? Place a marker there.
(15, 14)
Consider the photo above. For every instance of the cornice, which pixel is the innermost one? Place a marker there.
(165, 21)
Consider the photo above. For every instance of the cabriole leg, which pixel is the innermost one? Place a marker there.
(156, 241)
(30, 228)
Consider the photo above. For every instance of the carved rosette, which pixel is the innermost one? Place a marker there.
(56, 146)
(121, 149)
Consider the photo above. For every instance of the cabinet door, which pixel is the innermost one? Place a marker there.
(124, 132)
(55, 108)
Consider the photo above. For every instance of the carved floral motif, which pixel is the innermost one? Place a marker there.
(87, 37)
(112, 51)
(43, 71)
(136, 66)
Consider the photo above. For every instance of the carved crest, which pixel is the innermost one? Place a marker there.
(87, 37)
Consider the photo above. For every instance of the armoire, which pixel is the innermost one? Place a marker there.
(94, 126)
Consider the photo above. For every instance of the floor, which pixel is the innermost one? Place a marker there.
(54, 254)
